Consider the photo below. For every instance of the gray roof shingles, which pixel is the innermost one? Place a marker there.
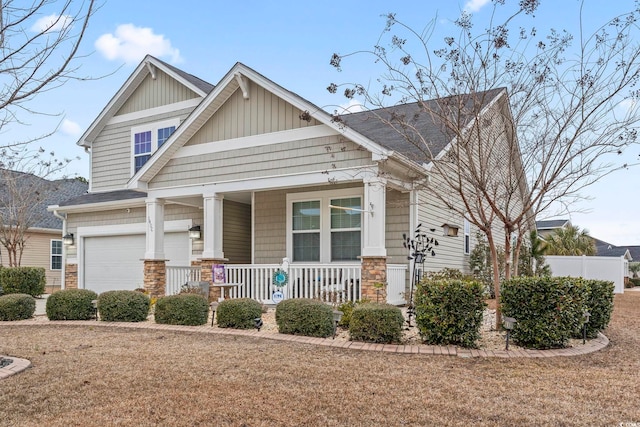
(53, 192)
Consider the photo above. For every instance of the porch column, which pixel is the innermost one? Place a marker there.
(155, 276)
(374, 251)
(373, 226)
(213, 227)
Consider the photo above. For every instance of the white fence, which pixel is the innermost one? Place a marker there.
(614, 269)
(334, 283)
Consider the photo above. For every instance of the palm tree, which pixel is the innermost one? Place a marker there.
(570, 241)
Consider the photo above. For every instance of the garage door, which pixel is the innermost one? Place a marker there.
(115, 262)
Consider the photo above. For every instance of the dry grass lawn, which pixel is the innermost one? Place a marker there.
(85, 376)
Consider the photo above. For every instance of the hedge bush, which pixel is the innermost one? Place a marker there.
(71, 304)
(347, 310)
(548, 310)
(599, 304)
(302, 316)
(450, 311)
(17, 307)
(123, 306)
(377, 323)
(23, 280)
(182, 309)
(634, 281)
(238, 313)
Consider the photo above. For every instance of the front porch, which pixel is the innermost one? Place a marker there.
(330, 283)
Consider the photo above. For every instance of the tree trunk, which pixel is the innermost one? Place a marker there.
(496, 277)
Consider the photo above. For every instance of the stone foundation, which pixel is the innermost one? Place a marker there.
(374, 270)
(155, 277)
(71, 276)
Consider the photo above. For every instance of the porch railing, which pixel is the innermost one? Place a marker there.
(178, 276)
(334, 283)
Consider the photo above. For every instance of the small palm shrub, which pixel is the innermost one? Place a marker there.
(182, 309)
(17, 307)
(123, 306)
(303, 316)
(377, 323)
(71, 304)
(450, 311)
(238, 313)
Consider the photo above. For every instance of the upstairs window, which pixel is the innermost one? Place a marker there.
(146, 139)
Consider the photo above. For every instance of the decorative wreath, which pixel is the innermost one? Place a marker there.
(280, 278)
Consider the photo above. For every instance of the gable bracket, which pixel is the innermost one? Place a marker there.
(152, 69)
(244, 85)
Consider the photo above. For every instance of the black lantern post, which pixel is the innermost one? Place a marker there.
(508, 323)
(419, 247)
(586, 315)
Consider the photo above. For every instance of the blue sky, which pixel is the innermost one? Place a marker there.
(290, 43)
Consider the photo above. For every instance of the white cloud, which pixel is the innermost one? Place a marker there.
(475, 5)
(353, 106)
(131, 44)
(56, 22)
(70, 128)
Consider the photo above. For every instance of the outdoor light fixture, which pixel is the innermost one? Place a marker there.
(94, 305)
(586, 315)
(257, 322)
(450, 230)
(68, 239)
(194, 232)
(214, 307)
(508, 323)
(337, 316)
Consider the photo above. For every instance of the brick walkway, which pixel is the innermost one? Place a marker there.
(591, 346)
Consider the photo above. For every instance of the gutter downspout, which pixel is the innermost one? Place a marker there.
(63, 217)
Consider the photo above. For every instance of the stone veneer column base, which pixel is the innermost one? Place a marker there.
(155, 277)
(71, 276)
(374, 270)
(206, 275)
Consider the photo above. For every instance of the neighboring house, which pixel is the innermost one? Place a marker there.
(607, 249)
(547, 227)
(43, 247)
(256, 174)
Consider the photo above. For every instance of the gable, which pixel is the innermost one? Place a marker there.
(263, 112)
(156, 92)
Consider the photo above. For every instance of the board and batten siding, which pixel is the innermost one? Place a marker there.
(111, 152)
(262, 113)
(151, 93)
(315, 154)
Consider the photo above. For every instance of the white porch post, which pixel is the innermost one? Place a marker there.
(155, 230)
(213, 227)
(375, 190)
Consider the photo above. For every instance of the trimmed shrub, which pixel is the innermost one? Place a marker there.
(123, 306)
(302, 316)
(17, 307)
(238, 313)
(450, 311)
(347, 310)
(182, 309)
(378, 323)
(23, 280)
(634, 281)
(71, 304)
(548, 310)
(599, 304)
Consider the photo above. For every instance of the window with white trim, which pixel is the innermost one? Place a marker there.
(56, 255)
(146, 139)
(325, 226)
(467, 237)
